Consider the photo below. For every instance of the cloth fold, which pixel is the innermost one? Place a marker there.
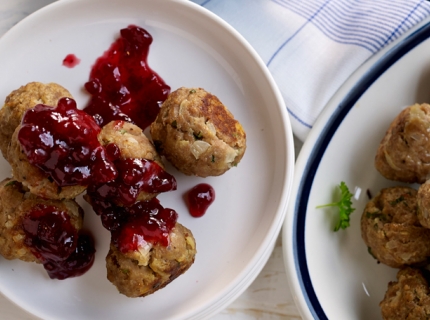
(311, 47)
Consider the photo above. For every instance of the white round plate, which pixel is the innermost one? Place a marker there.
(331, 273)
(191, 47)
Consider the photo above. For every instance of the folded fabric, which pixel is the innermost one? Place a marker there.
(312, 46)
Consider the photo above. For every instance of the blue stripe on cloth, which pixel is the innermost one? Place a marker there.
(307, 125)
(204, 3)
(403, 22)
(294, 34)
(359, 22)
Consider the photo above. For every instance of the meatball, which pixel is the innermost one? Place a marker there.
(198, 134)
(132, 144)
(22, 99)
(408, 298)
(403, 152)
(423, 201)
(140, 273)
(391, 230)
(130, 139)
(33, 178)
(15, 203)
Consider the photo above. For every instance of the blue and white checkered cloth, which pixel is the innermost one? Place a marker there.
(312, 46)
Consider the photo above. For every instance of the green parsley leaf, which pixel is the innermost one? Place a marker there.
(344, 205)
(10, 183)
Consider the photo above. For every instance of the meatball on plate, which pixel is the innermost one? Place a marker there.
(33, 229)
(408, 297)
(22, 99)
(151, 267)
(198, 134)
(391, 229)
(403, 153)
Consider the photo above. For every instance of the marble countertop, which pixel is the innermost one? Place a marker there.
(267, 298)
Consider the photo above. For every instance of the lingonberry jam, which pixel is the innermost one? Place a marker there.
(53, 239)
(62, 142)
(79, 262)
(135, 175)
(199, 199)
(71, 61)
(133, 226)
(122, 85)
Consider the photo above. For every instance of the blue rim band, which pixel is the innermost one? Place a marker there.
(318, 151)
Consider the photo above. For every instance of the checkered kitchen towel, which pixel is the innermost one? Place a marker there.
(312, 46)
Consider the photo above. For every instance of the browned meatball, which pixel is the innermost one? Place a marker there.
(22, 99)
(403, 154)
(423, 201)
(140, 273)
(15, 202)
(391, 230)
(33, 178)
(132, 143)
(198, 134)
(408, 298)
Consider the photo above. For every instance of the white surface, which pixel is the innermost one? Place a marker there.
(190, 48)
(347, 280)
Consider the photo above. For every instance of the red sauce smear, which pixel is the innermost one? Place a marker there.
(122, 85)
(135, 175)
(56, 243)
(71, 61)
(62, 142)
(131, 227)
(199, 199)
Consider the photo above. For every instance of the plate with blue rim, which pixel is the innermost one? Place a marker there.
(332, 274)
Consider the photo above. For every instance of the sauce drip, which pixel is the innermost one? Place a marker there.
(56, 243)
(133, 226)
(122, 85)
(71, 61)
(63, 143)
(199, 199)
(135, 175)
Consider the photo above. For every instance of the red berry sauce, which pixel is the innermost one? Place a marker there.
(122, 85)
(71, 61)
(63, 143)
(131, 227)
(56, 243)
(199, 199)
(134, 176)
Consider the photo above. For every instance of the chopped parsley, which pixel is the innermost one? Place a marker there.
(397, 201)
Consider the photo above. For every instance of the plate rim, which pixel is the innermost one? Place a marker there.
(242, 279)
(293, 233)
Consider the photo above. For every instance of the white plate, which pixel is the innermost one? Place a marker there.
(191, 47)
(331, 273)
